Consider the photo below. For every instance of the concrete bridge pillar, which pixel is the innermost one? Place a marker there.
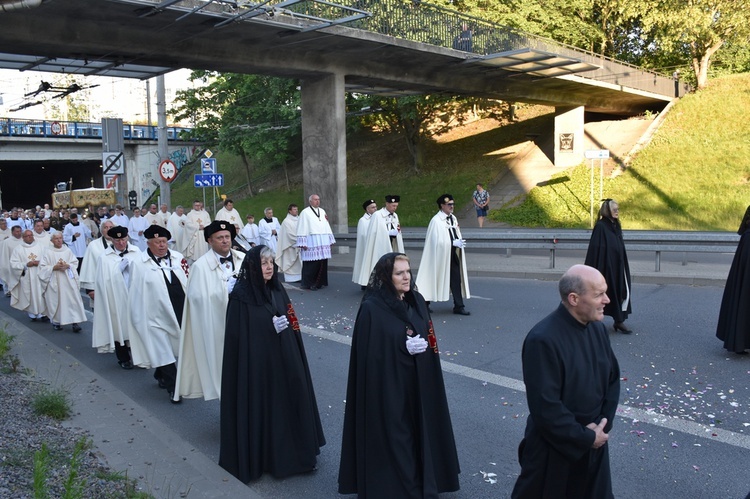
(324, 146)
(569, 148)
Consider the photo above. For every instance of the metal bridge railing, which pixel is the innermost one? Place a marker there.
(17, 127)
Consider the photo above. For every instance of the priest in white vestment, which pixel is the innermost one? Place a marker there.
(4, 230)
(111, 328)
(94, 250)
(26, 291)
(314, 239)
(156, 301)
(288, 258)
(229, 214)
(76, 236)
(193, 238)
(62, 296)
(136, 227)
(268, 229)
(359, 275)
(212, 278)
(383, 236)
(6, 249)
(175, 226)
(41, 235)
(442, 270)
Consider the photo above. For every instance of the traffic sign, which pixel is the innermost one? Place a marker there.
(208, 165)
(596, 153)
(167, 170)
(209, 180)
(113, 163)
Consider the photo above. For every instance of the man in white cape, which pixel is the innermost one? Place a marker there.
(192, 232)
(287, 257)
(111, 328)
(229, 214)
(62, 296)
(360, 275)
(442, 270)
(26, 292)
(156, 300)
(314, 239)
(94, 250)
(212, 278)
(383, 236)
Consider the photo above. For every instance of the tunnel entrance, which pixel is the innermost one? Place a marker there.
(29, 183)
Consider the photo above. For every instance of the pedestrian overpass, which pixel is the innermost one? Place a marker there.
(387, 47)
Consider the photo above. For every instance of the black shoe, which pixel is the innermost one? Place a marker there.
(171, 398)
(34, 319)
(304, 287)
(127, 365)
(57, 327)
(461, 311)
(362, 288)
(620, 326)
(44, 318)
(76, 328)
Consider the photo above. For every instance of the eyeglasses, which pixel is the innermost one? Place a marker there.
(451, 204)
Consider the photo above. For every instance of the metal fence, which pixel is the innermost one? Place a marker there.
(16, 127)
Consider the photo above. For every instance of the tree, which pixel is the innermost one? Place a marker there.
(255, 117)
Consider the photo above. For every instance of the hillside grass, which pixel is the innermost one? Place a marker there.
(693, 176)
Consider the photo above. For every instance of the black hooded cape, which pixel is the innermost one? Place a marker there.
(398, 439)
(734, 315)
(606, 253)
(269, 416)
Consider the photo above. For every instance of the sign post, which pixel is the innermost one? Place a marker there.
(601, 155)
(208, 176)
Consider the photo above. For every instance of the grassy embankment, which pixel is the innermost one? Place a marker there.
(693, 176)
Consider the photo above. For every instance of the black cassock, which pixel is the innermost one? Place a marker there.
(269, 416)
(606, 253)
(398, 439)
(734, 315)
(572, 379)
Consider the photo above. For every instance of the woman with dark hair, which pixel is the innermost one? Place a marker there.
(607, 253)
(269, 416)
(398, 439)
(734, 318)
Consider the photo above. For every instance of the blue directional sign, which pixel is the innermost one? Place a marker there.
(208, 165)
(210, 180)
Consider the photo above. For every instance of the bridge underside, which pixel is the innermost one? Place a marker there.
(28, 183)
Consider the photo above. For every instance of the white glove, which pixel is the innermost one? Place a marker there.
(124, 264)
(393, 232)
(416, 344)
(459, 243)
(280, 323)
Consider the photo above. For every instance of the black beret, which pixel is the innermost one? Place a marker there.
(118, 232)
(367, 203)
(156, 231)
(391, 198)
(443, 199)
(218, 225)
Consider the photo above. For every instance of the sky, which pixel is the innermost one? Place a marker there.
(106, 97)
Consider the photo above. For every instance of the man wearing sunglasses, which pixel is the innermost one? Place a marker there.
(442, 270)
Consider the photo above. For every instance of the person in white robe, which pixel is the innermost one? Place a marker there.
(154, 216)
(120, 218)
(229, 214)
(442, 270)
(288, 257)
(193, 239)
(314, 239)
(4, 230)
(111, 327)
(156, 300)
(6, 249)
(175, 226)
(91, 259)
(62, 296)
(268, 229)
(250, 231)
(212, 278)
(383, 236)
(164, 214)
(76, 236)
(90, 224)
(26, 291)
(359, 275)
(136, 227)
(41, 235)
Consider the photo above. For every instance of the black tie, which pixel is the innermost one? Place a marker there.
(225, 260)
(122, 255)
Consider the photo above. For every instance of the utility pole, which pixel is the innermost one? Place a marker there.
(162, 146)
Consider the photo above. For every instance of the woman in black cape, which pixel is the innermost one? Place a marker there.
(734, 315)
(607, 254)
(398, 439)
(269, 416)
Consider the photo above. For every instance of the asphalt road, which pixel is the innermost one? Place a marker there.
(683, 422)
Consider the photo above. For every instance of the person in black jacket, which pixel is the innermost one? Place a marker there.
(607, 254)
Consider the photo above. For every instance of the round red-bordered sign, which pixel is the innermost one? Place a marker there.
(167, 170)
(55, 127)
